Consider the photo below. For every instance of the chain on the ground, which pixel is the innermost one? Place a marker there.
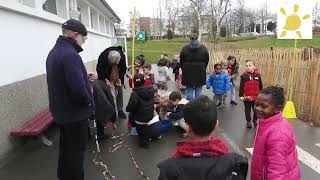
(121, 143)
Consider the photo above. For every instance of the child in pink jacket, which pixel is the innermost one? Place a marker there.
(274, 156)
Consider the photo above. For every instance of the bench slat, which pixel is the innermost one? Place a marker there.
(34, 126)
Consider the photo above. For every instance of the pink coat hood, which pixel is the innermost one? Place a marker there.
(275, 156)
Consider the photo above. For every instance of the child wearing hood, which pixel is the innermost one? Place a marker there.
(164, 75)
(250, 86)
(220, 83)
(142, 112)
(202, 156)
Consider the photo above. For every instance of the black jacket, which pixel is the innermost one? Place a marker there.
(228, 167)
(141, 104)
(70, 97)
(104, 68)
(104, 102)
(194, 59)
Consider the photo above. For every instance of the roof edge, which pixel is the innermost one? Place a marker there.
(110, 9)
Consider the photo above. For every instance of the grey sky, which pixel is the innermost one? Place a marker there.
(149, 7)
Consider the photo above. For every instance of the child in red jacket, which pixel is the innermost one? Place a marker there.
(250, 86)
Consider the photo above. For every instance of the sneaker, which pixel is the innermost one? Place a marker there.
(122, 115)
(249, 125)
(233, 103)
(144, 144)
(219, 105)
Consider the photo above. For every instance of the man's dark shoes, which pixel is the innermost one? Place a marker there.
(233, 103)
(122, 115)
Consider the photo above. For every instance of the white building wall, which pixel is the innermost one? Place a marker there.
(28, 34)
(24, 54)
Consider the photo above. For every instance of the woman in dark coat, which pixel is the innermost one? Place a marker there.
(105, 110)
(194, 59)
(104, 70)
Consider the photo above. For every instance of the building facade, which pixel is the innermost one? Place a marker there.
(29, 30)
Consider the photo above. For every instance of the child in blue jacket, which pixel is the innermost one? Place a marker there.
(220, 83)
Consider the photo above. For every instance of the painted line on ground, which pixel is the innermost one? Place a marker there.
(309, 160)
(305, 157)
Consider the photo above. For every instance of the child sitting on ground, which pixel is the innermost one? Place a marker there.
(141, 109)
(220, 84)
(202, 156)
(250, 86)
(177, 115)
(275, 154)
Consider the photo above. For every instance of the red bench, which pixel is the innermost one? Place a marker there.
(35, 127)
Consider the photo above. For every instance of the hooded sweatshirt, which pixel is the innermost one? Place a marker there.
(194, 59)
(141, 104)
(164, 74)
(203, 161)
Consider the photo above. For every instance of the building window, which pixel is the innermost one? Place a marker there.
(80, 14)
(91, 18)
(94, 19)
(107, 27)
(50, 6)
(30, 3)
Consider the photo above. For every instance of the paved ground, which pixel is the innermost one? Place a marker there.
(36, 162)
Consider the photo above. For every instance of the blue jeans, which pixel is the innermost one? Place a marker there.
(233, 92)
(191, 89)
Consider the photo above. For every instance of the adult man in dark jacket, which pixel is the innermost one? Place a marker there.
(70, 98)
(194, 59)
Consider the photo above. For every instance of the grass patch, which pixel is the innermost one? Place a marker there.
(152, 50)
(274, 42)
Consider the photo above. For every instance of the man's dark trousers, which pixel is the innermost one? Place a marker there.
(73, 142)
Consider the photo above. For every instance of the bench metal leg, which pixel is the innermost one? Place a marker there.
(45, 140)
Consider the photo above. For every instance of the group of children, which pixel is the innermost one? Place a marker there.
(223, 79)
(203, 156)
(151, 101)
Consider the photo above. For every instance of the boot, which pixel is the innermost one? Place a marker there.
(249, 125)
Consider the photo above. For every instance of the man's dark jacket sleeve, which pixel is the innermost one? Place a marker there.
(75, 79)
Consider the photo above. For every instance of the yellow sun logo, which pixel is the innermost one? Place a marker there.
(293, 21)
